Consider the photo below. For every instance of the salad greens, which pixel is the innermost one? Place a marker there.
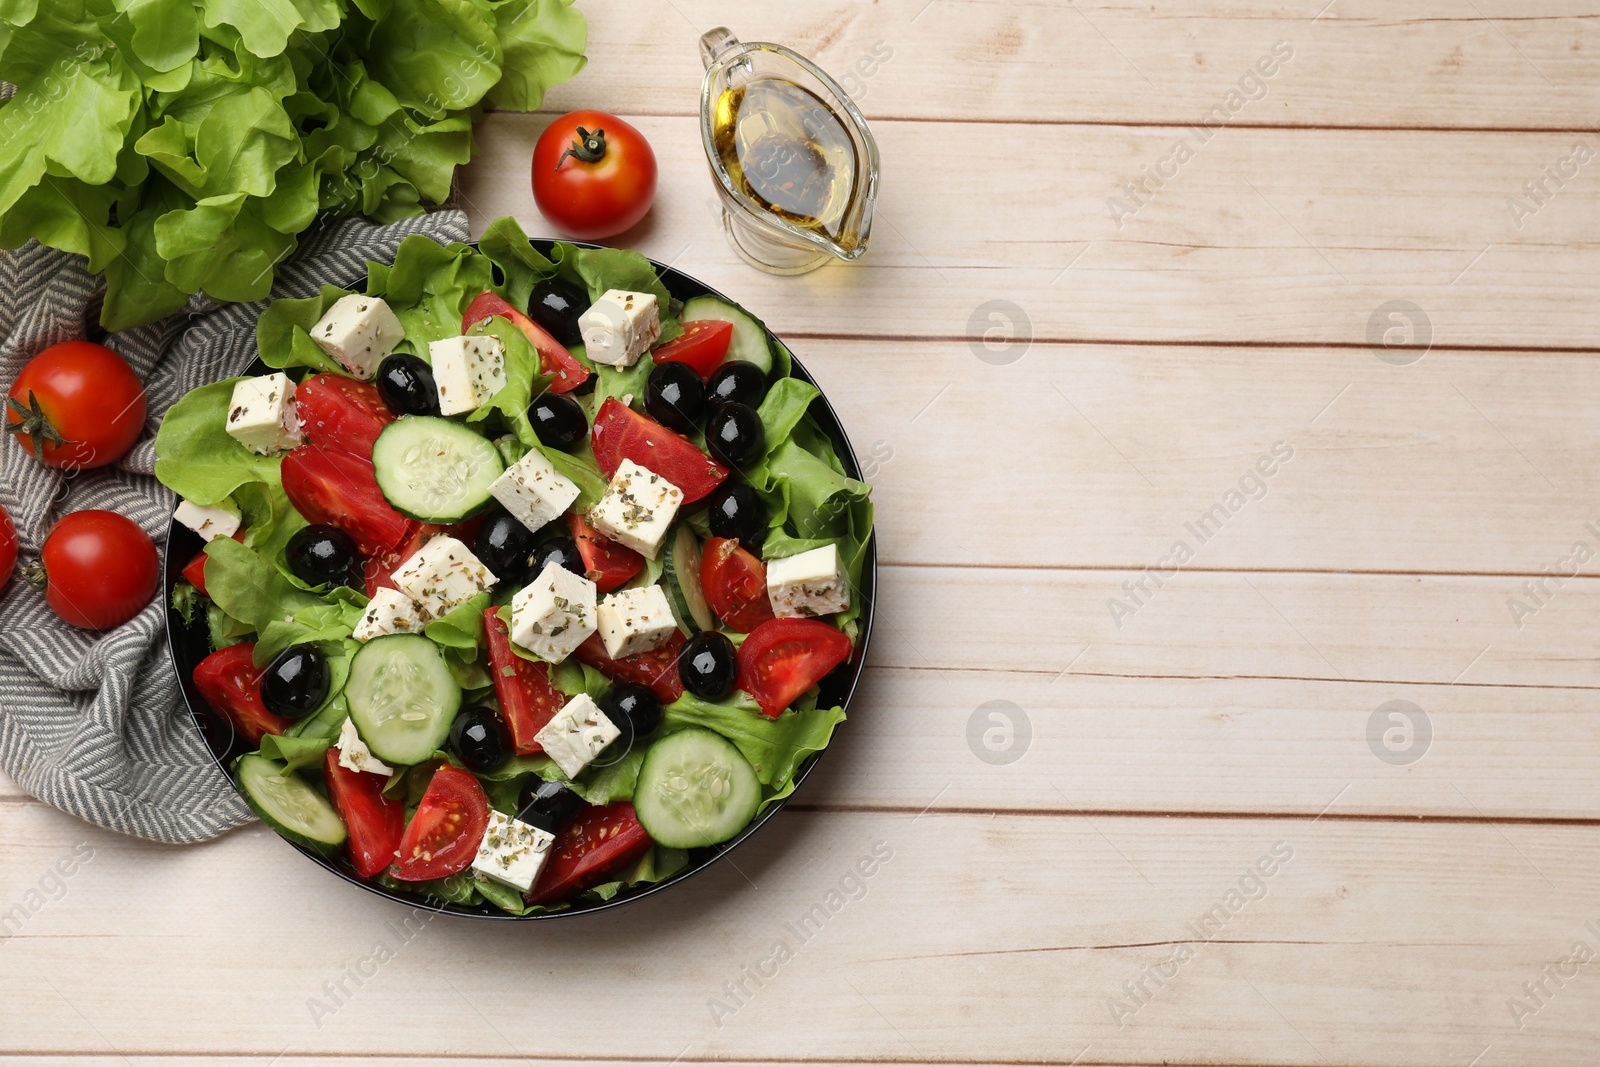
(251, 594)
(183, 145)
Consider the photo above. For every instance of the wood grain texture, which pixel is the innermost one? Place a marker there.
(1362, 62)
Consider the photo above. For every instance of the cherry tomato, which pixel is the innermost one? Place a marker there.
(527, 698)
(735, 585)
(341, 413)
(8, 548)
(593, 175)
(783, 658)
(97, 569)
(701, 347)
(340, 489)
(607, 564)
(443, 835)
(230, 682)
(657, 669)
(76, 405)
(621, 433)
(565, 372)
(376, 822)
(599, 842)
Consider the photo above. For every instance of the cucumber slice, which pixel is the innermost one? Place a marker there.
(433, 469)
(749, 336)
(402, 697)
(695, 789)
(288, 804)
(684, 593)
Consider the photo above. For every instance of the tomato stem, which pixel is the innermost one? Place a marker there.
(588, 148)
(34, 575)
(33, 424)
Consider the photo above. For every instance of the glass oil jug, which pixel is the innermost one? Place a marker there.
(794, 162)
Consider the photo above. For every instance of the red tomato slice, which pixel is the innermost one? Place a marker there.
(444, 834)
(735, 585)
(621, 433)
(783, 658)
(231, 683)
(342, 413)
(608, 564)
(597, 844)
(376, 822)
(527, 699)
(702, 346)
(195, 570)
(565, 372)
(657, 669)
(338, 488)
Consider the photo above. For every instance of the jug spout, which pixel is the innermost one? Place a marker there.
(715, 43)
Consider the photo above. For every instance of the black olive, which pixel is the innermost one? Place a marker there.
(708, 665)
(548, 805)
(736, 381)
(506, 547)
(480, 739)
(675, 397)
(321, 553)
(736, 511)
(556, 305)
(561, 549)
(632, 708)
(558, 420)
(735, 436)
(296, 683)
(406, 385)
(585, 387)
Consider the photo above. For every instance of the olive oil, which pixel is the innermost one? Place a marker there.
(790, 153)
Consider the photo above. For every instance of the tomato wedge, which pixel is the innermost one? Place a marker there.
(527, 699)
(443, 835)
(783, 658)
(565, 372)
(735, 585)
(657, 669)
(195, 569)
(342, 413)
(701, 347)
(597, 844)
(376, 822)
(607, 564)
(340, 489)
(621, 433)
(230, 682)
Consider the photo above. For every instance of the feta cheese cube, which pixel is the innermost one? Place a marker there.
(534, 491)
(388, 612)
(637, 508)
(553, 614)
(635, 620)
(261, 415)
(620, 327)
(218, 520)
(577, 734)
(441, 576)
(354, 755)
(809, 584)
(357, 332)
(512, 852)
(467, 371)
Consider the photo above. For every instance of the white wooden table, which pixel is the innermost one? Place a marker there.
(1085, 886)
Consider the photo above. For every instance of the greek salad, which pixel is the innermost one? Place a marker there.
(520, 575)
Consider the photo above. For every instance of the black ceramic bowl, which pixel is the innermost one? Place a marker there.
(189, 646)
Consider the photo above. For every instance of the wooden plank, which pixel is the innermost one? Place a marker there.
(1368, 943)
(1360, 63)
(1251, 241)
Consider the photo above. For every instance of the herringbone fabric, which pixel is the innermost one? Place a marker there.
(92, 723)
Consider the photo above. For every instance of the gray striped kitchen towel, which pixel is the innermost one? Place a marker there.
(92, 723)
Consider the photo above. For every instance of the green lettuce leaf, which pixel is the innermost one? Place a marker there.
(195, 456)
(774, 747)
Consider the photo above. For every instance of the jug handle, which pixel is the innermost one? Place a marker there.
(716, 43)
